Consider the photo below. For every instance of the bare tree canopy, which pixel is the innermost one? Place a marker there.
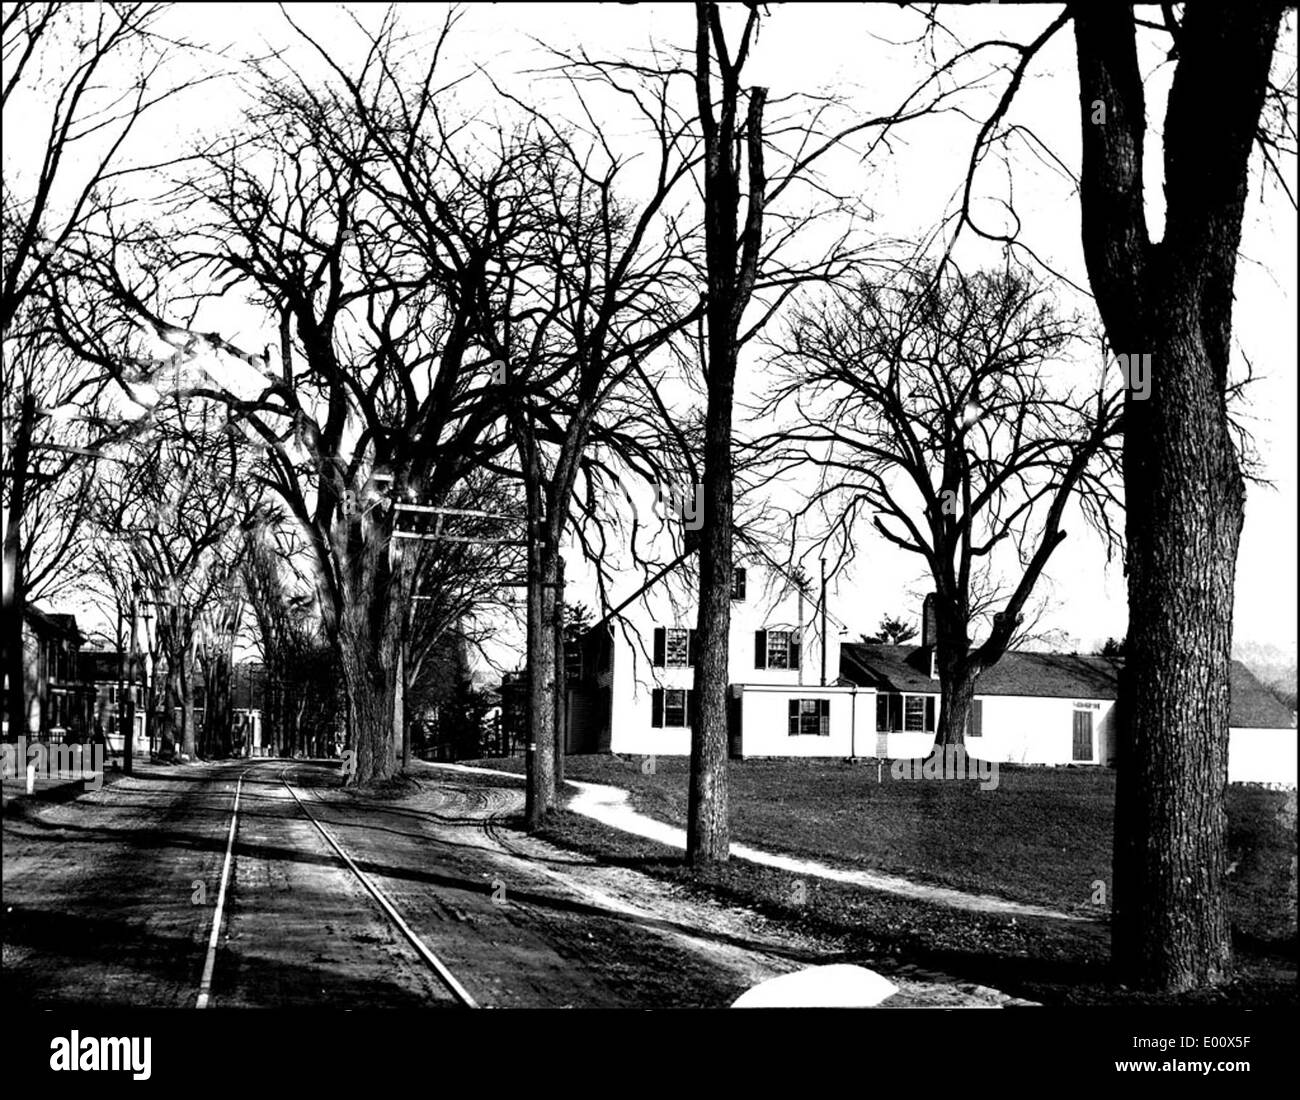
(944, 409)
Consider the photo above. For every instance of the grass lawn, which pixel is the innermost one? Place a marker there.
(1043, 836)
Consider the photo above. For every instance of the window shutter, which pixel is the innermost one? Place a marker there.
(690, 648)
(977, 718)
(660, 646)
(929, 714)
(794, 717)
(882, 713)
(895, 712)
(825, 709)
(760, 649)
(794, 650)
(657, 708)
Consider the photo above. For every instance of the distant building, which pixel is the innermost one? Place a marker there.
(635, 692)
(60, 704)
(634, 689)
(513, 725)
(248, 691)
(102, 670)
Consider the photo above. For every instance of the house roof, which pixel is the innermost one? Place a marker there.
(1042, 675)
(1253, 705)
(103, 666)
(50, 622)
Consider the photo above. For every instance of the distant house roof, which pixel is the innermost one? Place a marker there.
(51, 622)
(1042, 675)
(1253, 705)
(103, 666)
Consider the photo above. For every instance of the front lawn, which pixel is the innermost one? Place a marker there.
(1042, 836)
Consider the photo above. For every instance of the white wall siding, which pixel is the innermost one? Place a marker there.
(1019, 729)
(1024, 729)
(765, 722)
(1262, 756)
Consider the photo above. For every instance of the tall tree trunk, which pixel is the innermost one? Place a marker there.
(708, 836)
(150, 730)
(172, 701)
(189, 744)
(15, 589)
(1186, 505)
(401, 741)
(219, 701)
(957, 685)
(369, 682)
(369, 650)
(125, 717)
(731, 262)
(540, 794)
(561, 679)
(272, 722)
(1184, 494)
(368, 640)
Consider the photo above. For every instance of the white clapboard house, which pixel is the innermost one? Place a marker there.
(798, 689)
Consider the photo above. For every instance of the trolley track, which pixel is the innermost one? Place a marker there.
(222, 912)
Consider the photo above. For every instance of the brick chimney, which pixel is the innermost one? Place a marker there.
(929, 631)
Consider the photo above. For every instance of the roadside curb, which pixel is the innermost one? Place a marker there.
(19, 803)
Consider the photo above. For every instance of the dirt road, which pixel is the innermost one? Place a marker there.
(110, 899)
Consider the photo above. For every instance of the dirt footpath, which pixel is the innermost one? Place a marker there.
(731, 937)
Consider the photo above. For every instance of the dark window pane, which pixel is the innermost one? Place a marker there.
(675, 707)
(914, 713)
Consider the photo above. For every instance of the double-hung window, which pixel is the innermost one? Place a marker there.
(776, 649)
(672, 708)
(901, 712)
(810, 717)
(674, 647)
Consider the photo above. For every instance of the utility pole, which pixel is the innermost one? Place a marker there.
(125, 711)
(561, 676)
(15, 593)
(399, 704)
(439, 516)
(824, 645)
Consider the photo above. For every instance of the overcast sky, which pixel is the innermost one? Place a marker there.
(858, 51)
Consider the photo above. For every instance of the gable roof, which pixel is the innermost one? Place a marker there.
(1042, 675)
(52, 622)
(1253, 705)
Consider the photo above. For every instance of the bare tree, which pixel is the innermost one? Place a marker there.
(77, 79)
(176, 507)
(596, 287)
(1184, 489)
(731, 264)
(939, 408)
(573, 283)
(298, 661)
(1182, 481)
(370, 399)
